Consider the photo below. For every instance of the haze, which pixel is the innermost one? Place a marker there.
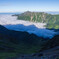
(28, 5)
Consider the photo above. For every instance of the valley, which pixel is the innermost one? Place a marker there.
(25, 39)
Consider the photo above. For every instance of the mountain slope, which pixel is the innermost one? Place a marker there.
(24, 40)
(51, 20)
(13, 43)
(54, 42)
(19, 40)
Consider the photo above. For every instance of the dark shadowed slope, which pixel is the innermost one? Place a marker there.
(54, 42)
(23, 42)
(18, 38)
(41, 32)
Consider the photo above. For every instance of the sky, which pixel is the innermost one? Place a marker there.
(28, 5)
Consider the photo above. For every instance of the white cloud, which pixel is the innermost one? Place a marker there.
(37, 28)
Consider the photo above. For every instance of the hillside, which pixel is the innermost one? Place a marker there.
(51, 20)
(54, 42)
(21, 42)
(17, 42)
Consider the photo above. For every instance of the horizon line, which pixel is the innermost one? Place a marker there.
(30, 11)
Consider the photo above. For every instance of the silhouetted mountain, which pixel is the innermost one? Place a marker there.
(54, 42)
(41, 32)
(9, 39)
(23, 42)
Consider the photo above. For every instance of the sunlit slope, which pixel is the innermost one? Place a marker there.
(51, 20)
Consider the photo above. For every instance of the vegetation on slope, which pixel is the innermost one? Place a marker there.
(51, 43)
(14, 42)
(51, 20)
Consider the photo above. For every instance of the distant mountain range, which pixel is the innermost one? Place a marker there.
(10, 13)
(51, 20)
(53, 13)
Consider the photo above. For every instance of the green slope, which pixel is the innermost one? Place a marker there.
(51, 20)
(17, 42)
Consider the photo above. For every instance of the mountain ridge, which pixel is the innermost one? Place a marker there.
(51, 20)
(18, 42)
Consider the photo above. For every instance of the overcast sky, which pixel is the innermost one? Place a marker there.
(28, 5)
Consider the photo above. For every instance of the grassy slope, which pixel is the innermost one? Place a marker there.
(51, 20)
(14, 42)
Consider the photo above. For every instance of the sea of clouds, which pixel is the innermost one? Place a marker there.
(11, 22)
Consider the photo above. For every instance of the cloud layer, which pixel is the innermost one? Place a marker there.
(12, 23)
